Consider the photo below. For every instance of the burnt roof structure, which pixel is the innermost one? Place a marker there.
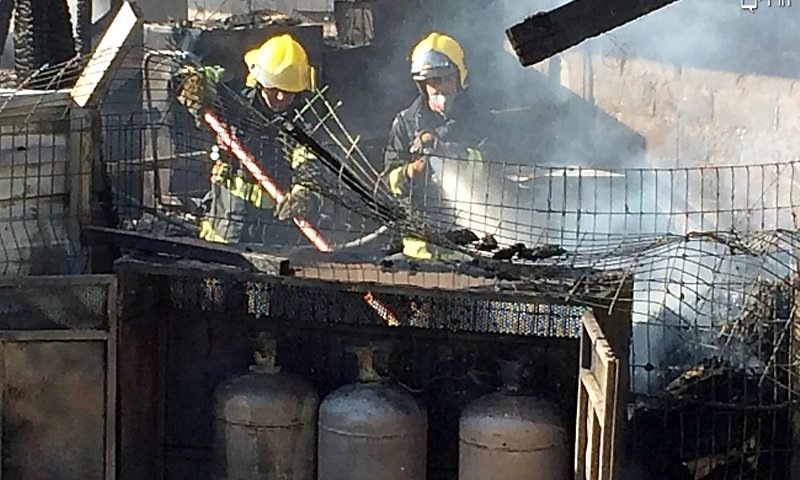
(545, 34)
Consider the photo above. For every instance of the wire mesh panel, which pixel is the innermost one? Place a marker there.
(707, 249)
(42, 197)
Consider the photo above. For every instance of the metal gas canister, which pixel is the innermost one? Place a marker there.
(265, 423)
(510, 436)
(371, 430)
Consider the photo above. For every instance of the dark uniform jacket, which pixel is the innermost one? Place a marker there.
(465, 128)
(238, 209)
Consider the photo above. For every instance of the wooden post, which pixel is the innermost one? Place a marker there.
(79, 185)
(615, 321)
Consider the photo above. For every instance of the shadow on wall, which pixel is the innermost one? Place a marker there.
(545, 122)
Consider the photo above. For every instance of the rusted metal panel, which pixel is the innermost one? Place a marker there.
(53, 410)
(58, 377)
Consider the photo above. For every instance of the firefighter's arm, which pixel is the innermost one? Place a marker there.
(197, 87)
(396, 152)
(297, 202)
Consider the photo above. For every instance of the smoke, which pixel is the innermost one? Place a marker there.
(685, 292)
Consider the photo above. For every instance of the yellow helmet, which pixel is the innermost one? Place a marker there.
(438, 55)
(280, 63)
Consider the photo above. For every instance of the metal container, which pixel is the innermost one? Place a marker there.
(265, 424)
(371, 430)
(509, 436)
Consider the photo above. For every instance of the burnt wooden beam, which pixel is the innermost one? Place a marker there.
(545, 34)
(188, 248)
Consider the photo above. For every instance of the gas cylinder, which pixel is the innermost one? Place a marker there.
(371, 430)
(265, 423)
(510, 436)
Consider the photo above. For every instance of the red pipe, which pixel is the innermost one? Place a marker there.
(266, 183)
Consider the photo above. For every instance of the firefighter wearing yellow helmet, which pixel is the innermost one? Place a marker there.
(441, 119)
(236, 209)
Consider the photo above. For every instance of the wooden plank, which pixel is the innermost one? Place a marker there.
(371, 273)
(23, 106)
(545, 34)
(581, 436)
(191, 268)
(106, 55)
(52, 335)
(607, 445)
(79, 166)
(591, 327)
(46, 281)
(595, 394)
(592, 445)
(189, 248)
(111, 383)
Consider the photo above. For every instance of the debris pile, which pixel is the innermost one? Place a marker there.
(717, 422)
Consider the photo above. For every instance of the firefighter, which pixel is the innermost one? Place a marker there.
(442, 120)
(236, 208)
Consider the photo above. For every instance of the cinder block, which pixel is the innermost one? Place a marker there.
(573, 72)
(789, 112)
(739, 109)
(665, 99)
(607, 91)
(725, 146)
(658, 71)
(713, 80)
(695, 106)
(661, 137)
(693, 146)
(763, 84)
(761, 148)
(637, 96)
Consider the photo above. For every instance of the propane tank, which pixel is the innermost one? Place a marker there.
(512, 436)
(371, 430)
(265, 423)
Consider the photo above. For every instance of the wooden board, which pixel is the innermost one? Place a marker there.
(20, 107)
(106, 56)
(545, 34)
(370, 273)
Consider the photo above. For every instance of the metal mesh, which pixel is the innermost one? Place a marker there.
(710, 251)
(330, 305)
(54, 306)
(37, 220)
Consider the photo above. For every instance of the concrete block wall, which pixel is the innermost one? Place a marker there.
(692, 116)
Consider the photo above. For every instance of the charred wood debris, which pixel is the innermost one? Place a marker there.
(720, 420)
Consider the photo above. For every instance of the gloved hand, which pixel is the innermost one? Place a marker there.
(293, 204)
(423, 144)
(197, 87)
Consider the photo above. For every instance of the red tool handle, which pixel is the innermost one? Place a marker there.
(237, 149)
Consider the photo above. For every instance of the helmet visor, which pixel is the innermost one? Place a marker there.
(432, 64)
